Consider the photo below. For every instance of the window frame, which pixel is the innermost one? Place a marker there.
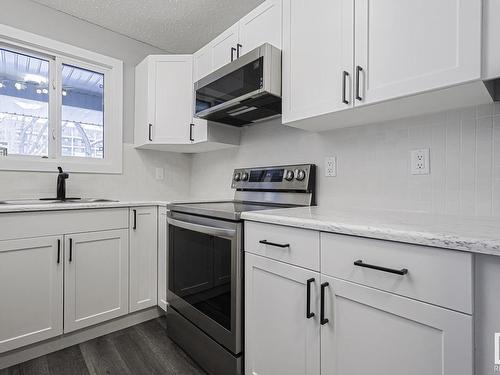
(59, 53)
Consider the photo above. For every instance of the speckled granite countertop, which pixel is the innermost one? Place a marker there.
(6, 208)
(472, 234)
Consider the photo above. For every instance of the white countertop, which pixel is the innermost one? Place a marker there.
(472, 234)
(6, 208)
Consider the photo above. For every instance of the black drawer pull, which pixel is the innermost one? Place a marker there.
(322, 319)
(309, 314)
(282, 245)
(70, 250)
(401, 272)
(58, 251)
(150, 135)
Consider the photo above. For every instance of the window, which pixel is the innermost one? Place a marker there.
(59, 105)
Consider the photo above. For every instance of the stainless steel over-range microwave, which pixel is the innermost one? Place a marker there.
(244, 91)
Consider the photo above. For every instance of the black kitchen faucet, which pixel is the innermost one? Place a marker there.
(61, 184)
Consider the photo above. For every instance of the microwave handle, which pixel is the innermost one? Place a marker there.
(213, 231)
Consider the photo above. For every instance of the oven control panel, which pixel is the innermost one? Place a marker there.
(299, 177)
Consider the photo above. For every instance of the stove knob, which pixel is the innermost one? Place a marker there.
(237, 176)
(300, 174)
(289, 175)
(244, 176)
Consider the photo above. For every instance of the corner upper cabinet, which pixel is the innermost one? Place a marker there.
(163, 99)
(428, 45)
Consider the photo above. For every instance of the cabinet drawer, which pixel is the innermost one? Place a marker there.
(440, 277)
(290, 245)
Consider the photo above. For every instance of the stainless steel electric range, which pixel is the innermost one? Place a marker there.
(205, 252)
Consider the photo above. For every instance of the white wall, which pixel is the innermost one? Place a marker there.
(137, 181)
(373, 162)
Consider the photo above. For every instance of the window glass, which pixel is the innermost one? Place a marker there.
(24, 104)
(82, 112)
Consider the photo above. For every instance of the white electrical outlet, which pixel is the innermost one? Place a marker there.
(331, 166)
(160, 173)
(420, 161)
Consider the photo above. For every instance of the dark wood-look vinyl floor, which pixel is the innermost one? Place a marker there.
(143, 349)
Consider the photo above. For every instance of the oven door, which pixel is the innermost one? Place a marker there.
(206, 275)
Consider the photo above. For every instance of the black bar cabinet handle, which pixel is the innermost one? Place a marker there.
(191, 138)
(150, 132)
(238, 47)
(358, 70)
(134, 227)
(322, 318)
(282, 245)
(58, 251)
(309, 314)
(70, 250)
(344, 89)
(233, 50)
(401, 272)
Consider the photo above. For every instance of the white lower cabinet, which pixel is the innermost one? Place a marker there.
(162, 257)
(279, 338)
(31, 291)
(345, 327)
(374, 332)
(95, 278)
(143, 258)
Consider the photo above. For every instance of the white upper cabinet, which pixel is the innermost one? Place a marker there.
(491, 33)
(203, 63)
(262, 25)
(143, 258)
(96, 276)
(224, 47)
(373, 332)
(31, 291)
(406, 47)
(409, 57)
(163, 99)
(318, 55)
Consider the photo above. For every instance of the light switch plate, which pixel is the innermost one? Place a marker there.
(331, 166)
(420, 161)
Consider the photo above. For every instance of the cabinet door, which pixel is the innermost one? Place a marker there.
(31, 291)
(224, 47)
(279, 338)
(172, 83)
(262, 25)
(491, 30)
(318, 54)
(406, 47)
(143, 258)
(374, 332)
(162, 258)
(202, 62)
(95, 278)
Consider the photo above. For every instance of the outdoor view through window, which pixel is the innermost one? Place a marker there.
(24, 108)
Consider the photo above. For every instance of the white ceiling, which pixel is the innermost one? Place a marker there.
(176, 26)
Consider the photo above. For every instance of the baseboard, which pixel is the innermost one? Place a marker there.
(52, 345)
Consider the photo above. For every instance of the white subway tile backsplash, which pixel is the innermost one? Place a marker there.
(373, 162)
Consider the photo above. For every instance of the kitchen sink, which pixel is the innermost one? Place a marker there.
(54, 201)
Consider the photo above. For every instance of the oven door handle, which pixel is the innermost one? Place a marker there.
(214, 231)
